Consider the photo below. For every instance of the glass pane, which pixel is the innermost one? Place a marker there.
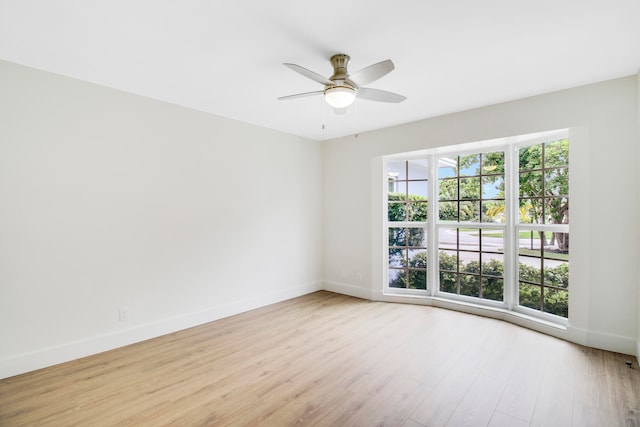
(470, 262)
(556, 273)
(469, 285)
(530, 296)
(448, 282)
(531, 184)
(556, 153)
(397, 278)
(470, 188)
(447, 167)
(417, 237)
(417, 258)
(469, 238)
(448, 260)
(470, 165)
(418, 169)
(448, 238)
(557, 210)
(530, 269)
(493, 163)
(397, 190)
(417, 279)
(556, 182)
(493, 187)
(556, 301)
(397, 236)
(397, 170)
(492, 288)
(531, 157)
(417, 190)
(470, 211)
(397, 211)
(417, 211)
(448, 211)
(557, 246)
(448, 189)
(492, 264)
(493, 211)
(531, 211)
(397, 258)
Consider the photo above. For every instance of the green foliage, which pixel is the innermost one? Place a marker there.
(469, 283)
(403, 208)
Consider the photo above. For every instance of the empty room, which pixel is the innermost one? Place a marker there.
(353, 214)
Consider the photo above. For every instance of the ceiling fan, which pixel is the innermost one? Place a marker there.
(342, 88)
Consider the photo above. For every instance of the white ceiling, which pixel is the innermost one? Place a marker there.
(226, 57)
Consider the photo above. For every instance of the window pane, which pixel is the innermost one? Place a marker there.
(397, 170)
(447, 167)
(397, 258)
(557, 210)
(470, 262)
(492, 288)
(492, 187)
(397, 236)
(417, 279)
(448, 211)
(531, 184)
(448, 189)
(417, 211)
(556, 301)
(530, 296)
(531, 211)
(417, 237)
(556, 182)
(417, 258)
(397, 278)
(448, 282)
(469, 285)
(397, 211)
(397, 190)
(531, 157)
(493, 163)
(470, 188)
(470, 165)
(418, 169)
(470, 211)
(448, 260)
(418, 189)
(493, 211)
(492, 264)
(556, 153)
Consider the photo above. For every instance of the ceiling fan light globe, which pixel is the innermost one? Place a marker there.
(340, 96)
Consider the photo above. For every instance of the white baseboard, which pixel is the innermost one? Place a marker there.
(74, 350)
(347, 289)
(595, 339)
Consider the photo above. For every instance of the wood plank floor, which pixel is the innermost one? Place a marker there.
(331, 360)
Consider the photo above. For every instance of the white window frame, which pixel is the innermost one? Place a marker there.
(511, 227)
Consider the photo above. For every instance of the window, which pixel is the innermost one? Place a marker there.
(407, 209)
(497, 232)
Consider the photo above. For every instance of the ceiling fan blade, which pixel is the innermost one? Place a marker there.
(372, 73)
(379, 95)
(301, 95)
(309, 74)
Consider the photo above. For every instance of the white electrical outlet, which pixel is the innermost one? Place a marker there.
(123, 315)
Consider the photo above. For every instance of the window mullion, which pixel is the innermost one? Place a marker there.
(433, 281)
(512, 207)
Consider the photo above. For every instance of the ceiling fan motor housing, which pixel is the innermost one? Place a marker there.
(339, 63)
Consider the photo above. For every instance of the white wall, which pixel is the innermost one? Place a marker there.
(638, 214)
(110, 200)
(604, 138)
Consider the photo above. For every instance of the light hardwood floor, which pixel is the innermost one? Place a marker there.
(331, 360)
